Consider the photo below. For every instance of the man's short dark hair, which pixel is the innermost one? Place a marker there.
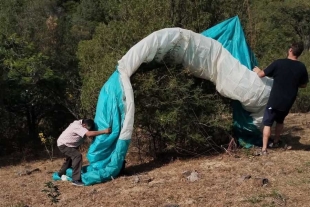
(90, 124)
(297, 48)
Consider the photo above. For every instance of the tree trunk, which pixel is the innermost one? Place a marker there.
(32, 128)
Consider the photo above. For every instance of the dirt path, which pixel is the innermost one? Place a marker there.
(222, 180)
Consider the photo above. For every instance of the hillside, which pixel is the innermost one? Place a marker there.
(223, 180)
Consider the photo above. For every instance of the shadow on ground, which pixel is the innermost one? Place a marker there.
(161, 160)
(291, 139)
(294, 141)
(20, 157)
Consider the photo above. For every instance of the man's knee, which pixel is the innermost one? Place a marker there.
(76, 156)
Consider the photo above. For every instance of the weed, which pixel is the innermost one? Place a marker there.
(48, 144)
(52, 192)
(255, 199)
(279, 197)
(299, 170)
(307, 164)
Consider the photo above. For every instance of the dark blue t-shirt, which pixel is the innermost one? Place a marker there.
(288, 75)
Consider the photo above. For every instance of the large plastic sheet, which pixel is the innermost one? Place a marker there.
(225, 59)
(247, 125)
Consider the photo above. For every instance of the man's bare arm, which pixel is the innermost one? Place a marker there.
(259, 72)
(95, 133)
(303, 85)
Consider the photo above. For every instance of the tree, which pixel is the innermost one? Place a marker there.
(297, 15)
(272, 40)
(29, 82)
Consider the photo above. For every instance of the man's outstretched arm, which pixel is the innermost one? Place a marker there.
(259, 72)
(95, 133)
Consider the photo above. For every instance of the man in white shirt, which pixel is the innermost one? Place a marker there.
(68, 143)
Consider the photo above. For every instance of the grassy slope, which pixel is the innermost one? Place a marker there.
(219, 183)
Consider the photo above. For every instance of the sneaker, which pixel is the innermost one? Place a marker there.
(64, 178)
(261, 153)
(264, 152)
(273, 144)
(77, 183)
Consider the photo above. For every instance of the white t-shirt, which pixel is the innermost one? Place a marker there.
(73, 135)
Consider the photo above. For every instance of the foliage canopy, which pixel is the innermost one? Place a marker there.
(56, 55)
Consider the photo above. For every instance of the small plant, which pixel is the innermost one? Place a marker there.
(255, 199)
(299, 170)
(52, 192)
(307, 164)
(279, 196)
(48, 144)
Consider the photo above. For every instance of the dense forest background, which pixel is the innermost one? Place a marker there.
(55, 55)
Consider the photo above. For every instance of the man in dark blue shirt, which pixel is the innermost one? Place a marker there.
(289, 74)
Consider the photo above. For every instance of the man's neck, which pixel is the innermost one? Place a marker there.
(292, 57)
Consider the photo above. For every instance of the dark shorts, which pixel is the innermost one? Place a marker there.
(272, 115)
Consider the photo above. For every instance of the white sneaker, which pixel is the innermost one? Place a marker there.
(64, 178)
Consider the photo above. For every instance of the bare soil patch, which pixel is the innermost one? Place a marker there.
(223, 180)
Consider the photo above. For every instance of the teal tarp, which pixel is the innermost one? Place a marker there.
(230, 34)
(107, 153)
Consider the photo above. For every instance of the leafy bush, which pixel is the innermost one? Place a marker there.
(179, 111)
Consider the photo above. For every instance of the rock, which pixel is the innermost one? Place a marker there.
(28, 172)
(246, 177)
(260, 182)
(243, 178)
(193, 176)
(186, 173)
(136, 179)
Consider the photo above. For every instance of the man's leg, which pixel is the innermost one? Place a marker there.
(76, 161)
(67, 164)
(268, 120)
(280, 116)
(76, 164)
(266, 135)
(278, 131)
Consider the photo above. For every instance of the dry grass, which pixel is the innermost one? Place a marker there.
(220, 180)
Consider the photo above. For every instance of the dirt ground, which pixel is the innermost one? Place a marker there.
(222, 180)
